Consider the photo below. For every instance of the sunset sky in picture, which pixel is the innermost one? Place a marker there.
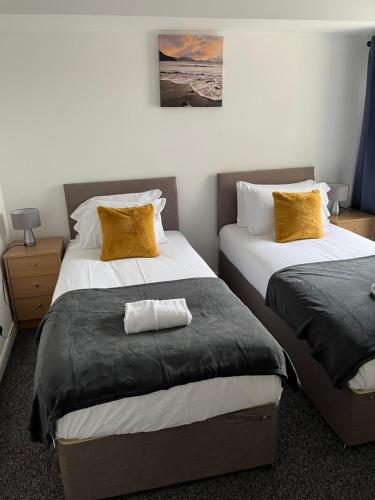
(206, 48)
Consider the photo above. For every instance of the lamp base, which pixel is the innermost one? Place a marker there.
(29, 238)
(335, 209)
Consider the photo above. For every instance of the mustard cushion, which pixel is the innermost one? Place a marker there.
(298, 216)
(128, 232)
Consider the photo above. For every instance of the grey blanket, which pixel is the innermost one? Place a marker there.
(85, 357)
(329, 304)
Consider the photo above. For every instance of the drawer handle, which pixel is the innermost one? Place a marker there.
(36, 285)
(39, 305)
(33, 264)
(250, 417)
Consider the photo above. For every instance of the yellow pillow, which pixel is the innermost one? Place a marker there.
(128, 232)
(298, 216)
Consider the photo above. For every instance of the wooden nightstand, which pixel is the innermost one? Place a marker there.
(32, 273)
(355, 221)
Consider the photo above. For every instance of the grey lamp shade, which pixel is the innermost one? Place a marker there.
(339, 191)
(25, 218)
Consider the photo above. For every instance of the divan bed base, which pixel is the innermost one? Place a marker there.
(349, 414)
(123, 464)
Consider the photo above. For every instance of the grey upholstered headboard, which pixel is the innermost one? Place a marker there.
(227, 191)
(77, 193)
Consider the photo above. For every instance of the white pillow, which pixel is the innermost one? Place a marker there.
(137, 198)
(245, 187)
(88, 224)
(256, 207)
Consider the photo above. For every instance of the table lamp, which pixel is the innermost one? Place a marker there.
(26, 219)
(339, 192)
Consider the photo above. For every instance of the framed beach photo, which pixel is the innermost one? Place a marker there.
(191, 70)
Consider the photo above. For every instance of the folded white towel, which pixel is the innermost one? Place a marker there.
(373, 288)
(146, 315)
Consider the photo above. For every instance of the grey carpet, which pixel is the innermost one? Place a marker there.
(312, 463)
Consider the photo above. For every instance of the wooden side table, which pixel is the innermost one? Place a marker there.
(356, 221)
(32, 273)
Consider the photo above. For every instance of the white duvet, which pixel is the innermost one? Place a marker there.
(258, 257)
(162, 409)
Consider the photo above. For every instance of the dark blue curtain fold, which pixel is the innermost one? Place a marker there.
(364, 181)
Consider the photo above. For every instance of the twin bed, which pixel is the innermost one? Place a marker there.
(208, 426)
(247, 263)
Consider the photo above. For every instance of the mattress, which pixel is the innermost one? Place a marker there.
(258, 257)
(179, 405)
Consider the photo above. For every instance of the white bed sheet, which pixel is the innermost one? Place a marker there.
(258, 257)
(84, 269)
(162, 409)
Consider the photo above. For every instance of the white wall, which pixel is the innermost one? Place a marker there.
(81, 106)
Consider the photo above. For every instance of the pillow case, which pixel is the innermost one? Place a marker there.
(128, 198)
(256, 206)
(297, 216)
(127, 232)
(245, 187)
(89, 229)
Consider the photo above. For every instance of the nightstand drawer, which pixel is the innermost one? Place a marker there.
(33, 266)
(33, 307)
(362, 227)
(35, 286)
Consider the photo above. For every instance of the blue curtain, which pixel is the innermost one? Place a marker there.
(364, 181)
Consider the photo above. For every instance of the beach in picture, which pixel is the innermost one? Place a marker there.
(191, 70)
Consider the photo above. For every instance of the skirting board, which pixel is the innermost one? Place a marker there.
(7, 347)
